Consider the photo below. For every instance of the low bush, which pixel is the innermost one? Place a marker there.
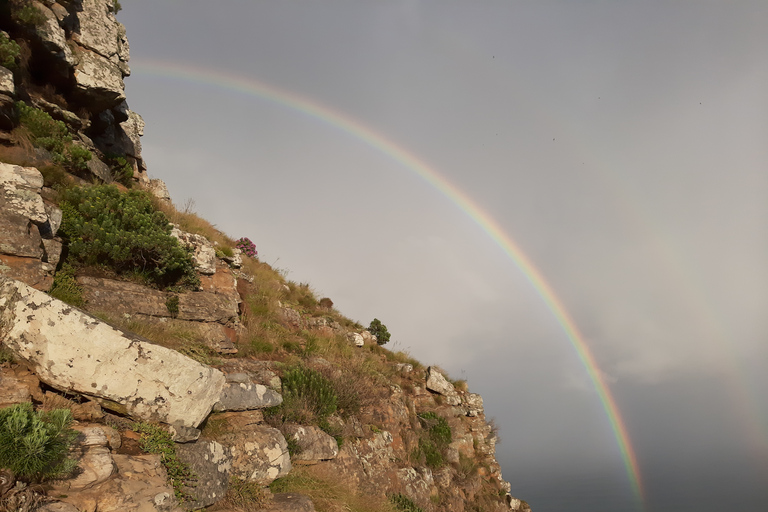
(154, 439)
(34, 445)
(9, 52)
(53, 136)
(310, 390)
(27, 14)
(122, 170)
(435, 440)
(66, 288)
(404, 504)
(124, 232)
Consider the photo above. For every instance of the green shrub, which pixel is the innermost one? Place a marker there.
(404, 504)
(9, 52)
(29, 15)
(124, 231)
(66, 288)
(6, 356)
(433, 444)
(154, 439)
(116, 7)
(122, 170)
(34, 445)
(380, 331)
(53, 136)
(172, 304)
(307, 395)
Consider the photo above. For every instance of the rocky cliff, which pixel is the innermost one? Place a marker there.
(223, 387)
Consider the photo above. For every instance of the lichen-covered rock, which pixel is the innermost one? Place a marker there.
(439, 384)
(259, 452)
(52, 36)
(71, 350)
(240, 394)
(100, 31)
(314, 444)
(20, 192)
(159, 189)
(98, 81)
(211, 462)
(204, 253)
(356, 339)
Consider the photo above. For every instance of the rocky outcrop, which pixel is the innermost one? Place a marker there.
(71, 350)
(80, 52)
(29, 248)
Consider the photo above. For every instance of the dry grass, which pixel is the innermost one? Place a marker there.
(161, 333)
(329, 493)
(52, 401)
(189, 221)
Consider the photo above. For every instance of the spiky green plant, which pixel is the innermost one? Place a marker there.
(34, 445)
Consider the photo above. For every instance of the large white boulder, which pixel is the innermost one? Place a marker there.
(71, 350)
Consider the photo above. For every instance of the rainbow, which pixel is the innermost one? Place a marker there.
(252, 87)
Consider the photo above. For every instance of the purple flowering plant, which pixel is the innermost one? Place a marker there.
(247, 247)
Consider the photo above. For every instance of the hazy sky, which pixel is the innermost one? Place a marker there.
(621, 144)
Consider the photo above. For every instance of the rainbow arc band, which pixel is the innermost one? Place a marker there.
(252, 87)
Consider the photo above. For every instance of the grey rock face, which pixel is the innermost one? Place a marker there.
(245, 396)
(98, 80)
(439, 384)
(53, 37)
(69, 349)
(212, 463)
(315, 445)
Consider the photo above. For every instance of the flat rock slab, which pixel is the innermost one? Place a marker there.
(131, 298)
(71, 350)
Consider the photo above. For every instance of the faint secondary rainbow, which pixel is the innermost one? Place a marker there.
(252, 87)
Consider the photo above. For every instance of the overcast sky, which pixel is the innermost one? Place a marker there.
(621, 144)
